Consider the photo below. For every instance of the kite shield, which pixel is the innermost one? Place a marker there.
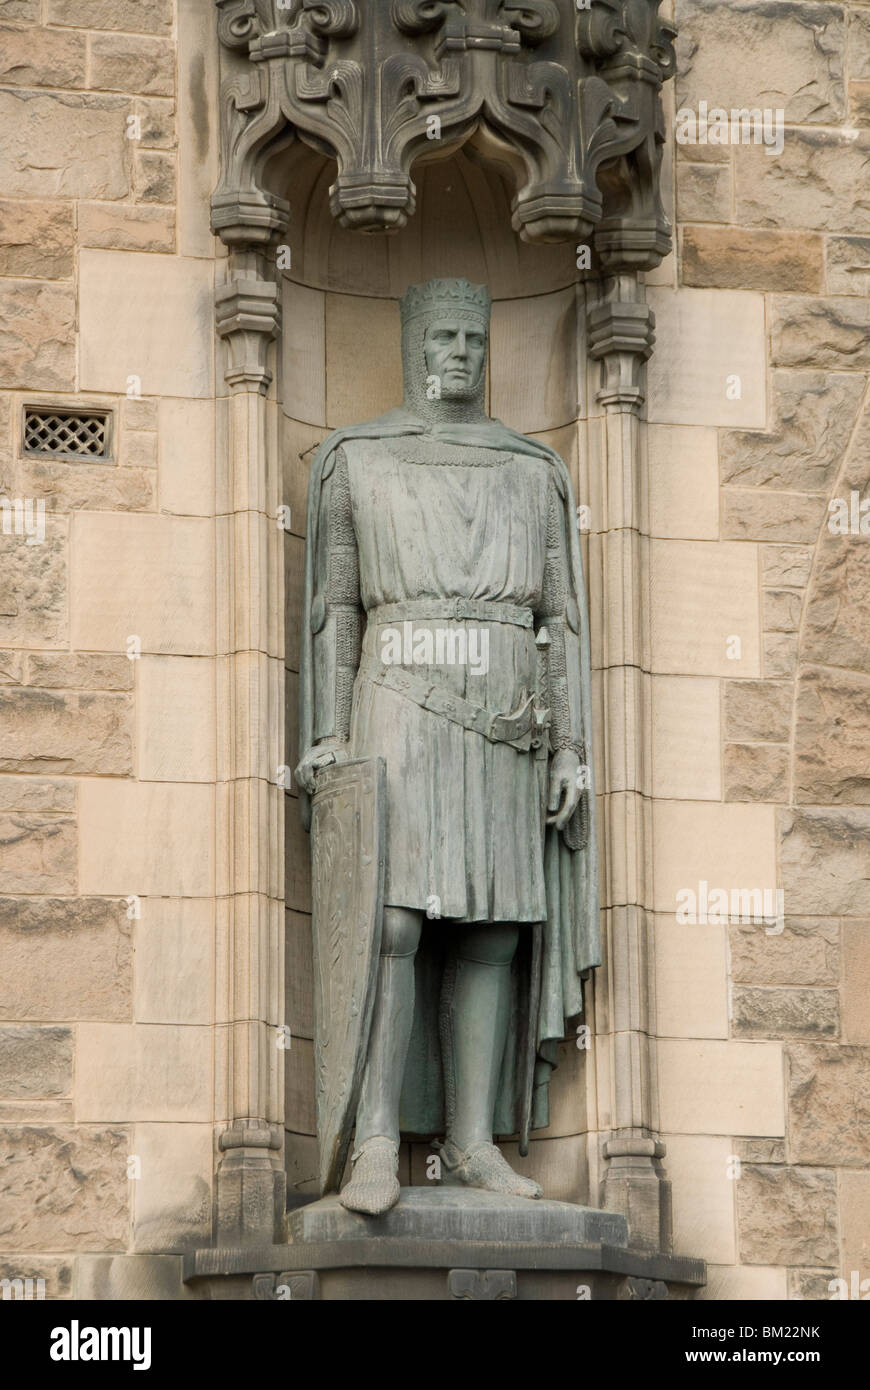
(348, 834)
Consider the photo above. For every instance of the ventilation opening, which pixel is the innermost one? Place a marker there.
(67, 433)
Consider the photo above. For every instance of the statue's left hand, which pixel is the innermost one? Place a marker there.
(565, 787)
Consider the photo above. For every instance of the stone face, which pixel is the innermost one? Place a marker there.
(63, 1186)
(157, 115)
(683, 482)
(837, 624)
(805, 952)
(685, 748)
(848, 265)
(821, 332)
(168, 843)
(148, 16)
(65, 958)
(786, 564)
(135, 312)
(126, 228)
(709, 364)
(825, 862)
(707, 1085)
(79, 671)
(758, 711)
(138, 412)
(691, 998)
(176, 719)
(174, 955)
(69, 732)
(817, 183)
(813, 418)
(33, 588)
(528, 337)
(756, 773)
(703, 595)
(128, 64)
(856, 981)
(186, 457)
(154, 177)
(97, 487)
(733, 258)
(829, 1103)
(35, 1063)
(855, 1225)
(142, 1072)
(737, 57)
(781, 610)
(65, 146)
(36, 239)
(832, 747)
(37, 854)
(148, 576)
(56, 1272)
(759, 1012)
(41, 57)
(37, 334)
(786, 1216)
(703, 192)
(810, 1285)
(759, 515)
(36, 794)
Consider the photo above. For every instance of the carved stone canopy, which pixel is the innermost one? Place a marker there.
(567, 97)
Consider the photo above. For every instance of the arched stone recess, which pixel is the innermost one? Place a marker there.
(549, 134)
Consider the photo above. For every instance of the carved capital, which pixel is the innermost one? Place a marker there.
(247, 315)
(621, 337)
(571, 97)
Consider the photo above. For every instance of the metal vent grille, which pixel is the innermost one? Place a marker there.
(66, 433)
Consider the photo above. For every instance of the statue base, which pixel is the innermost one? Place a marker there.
(447, 1243)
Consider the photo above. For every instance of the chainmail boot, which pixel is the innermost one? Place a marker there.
(374, 1186)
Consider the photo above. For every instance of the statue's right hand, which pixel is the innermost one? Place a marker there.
(323, 754)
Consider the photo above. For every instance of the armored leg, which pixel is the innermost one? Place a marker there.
(374, 1186)
(478, 1021)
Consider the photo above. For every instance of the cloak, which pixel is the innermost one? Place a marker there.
(555, 956)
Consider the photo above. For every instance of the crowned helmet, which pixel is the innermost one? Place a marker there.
(426, 304)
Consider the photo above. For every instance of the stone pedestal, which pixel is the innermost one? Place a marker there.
(443, 1243)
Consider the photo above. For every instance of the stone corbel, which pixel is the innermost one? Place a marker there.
(621, 337)
(247, 315)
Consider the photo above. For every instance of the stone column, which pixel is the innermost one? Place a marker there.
(250, 868)
(620, 336)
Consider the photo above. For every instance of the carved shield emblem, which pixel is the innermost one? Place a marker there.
(347, 883)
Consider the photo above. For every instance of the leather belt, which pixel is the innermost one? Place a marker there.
(524, 729)
(455, 609)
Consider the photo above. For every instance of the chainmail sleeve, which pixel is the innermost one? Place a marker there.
(339, 615)
(552, 615)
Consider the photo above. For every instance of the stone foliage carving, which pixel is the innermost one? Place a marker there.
(568, 98)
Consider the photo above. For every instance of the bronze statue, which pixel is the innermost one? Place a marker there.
(444, 713)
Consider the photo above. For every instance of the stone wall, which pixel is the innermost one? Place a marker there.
(760, 762)
(107, 763)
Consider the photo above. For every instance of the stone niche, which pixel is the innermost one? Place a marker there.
(340, 362)
(542, 182)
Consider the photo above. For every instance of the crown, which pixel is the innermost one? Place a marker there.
(450, 296)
